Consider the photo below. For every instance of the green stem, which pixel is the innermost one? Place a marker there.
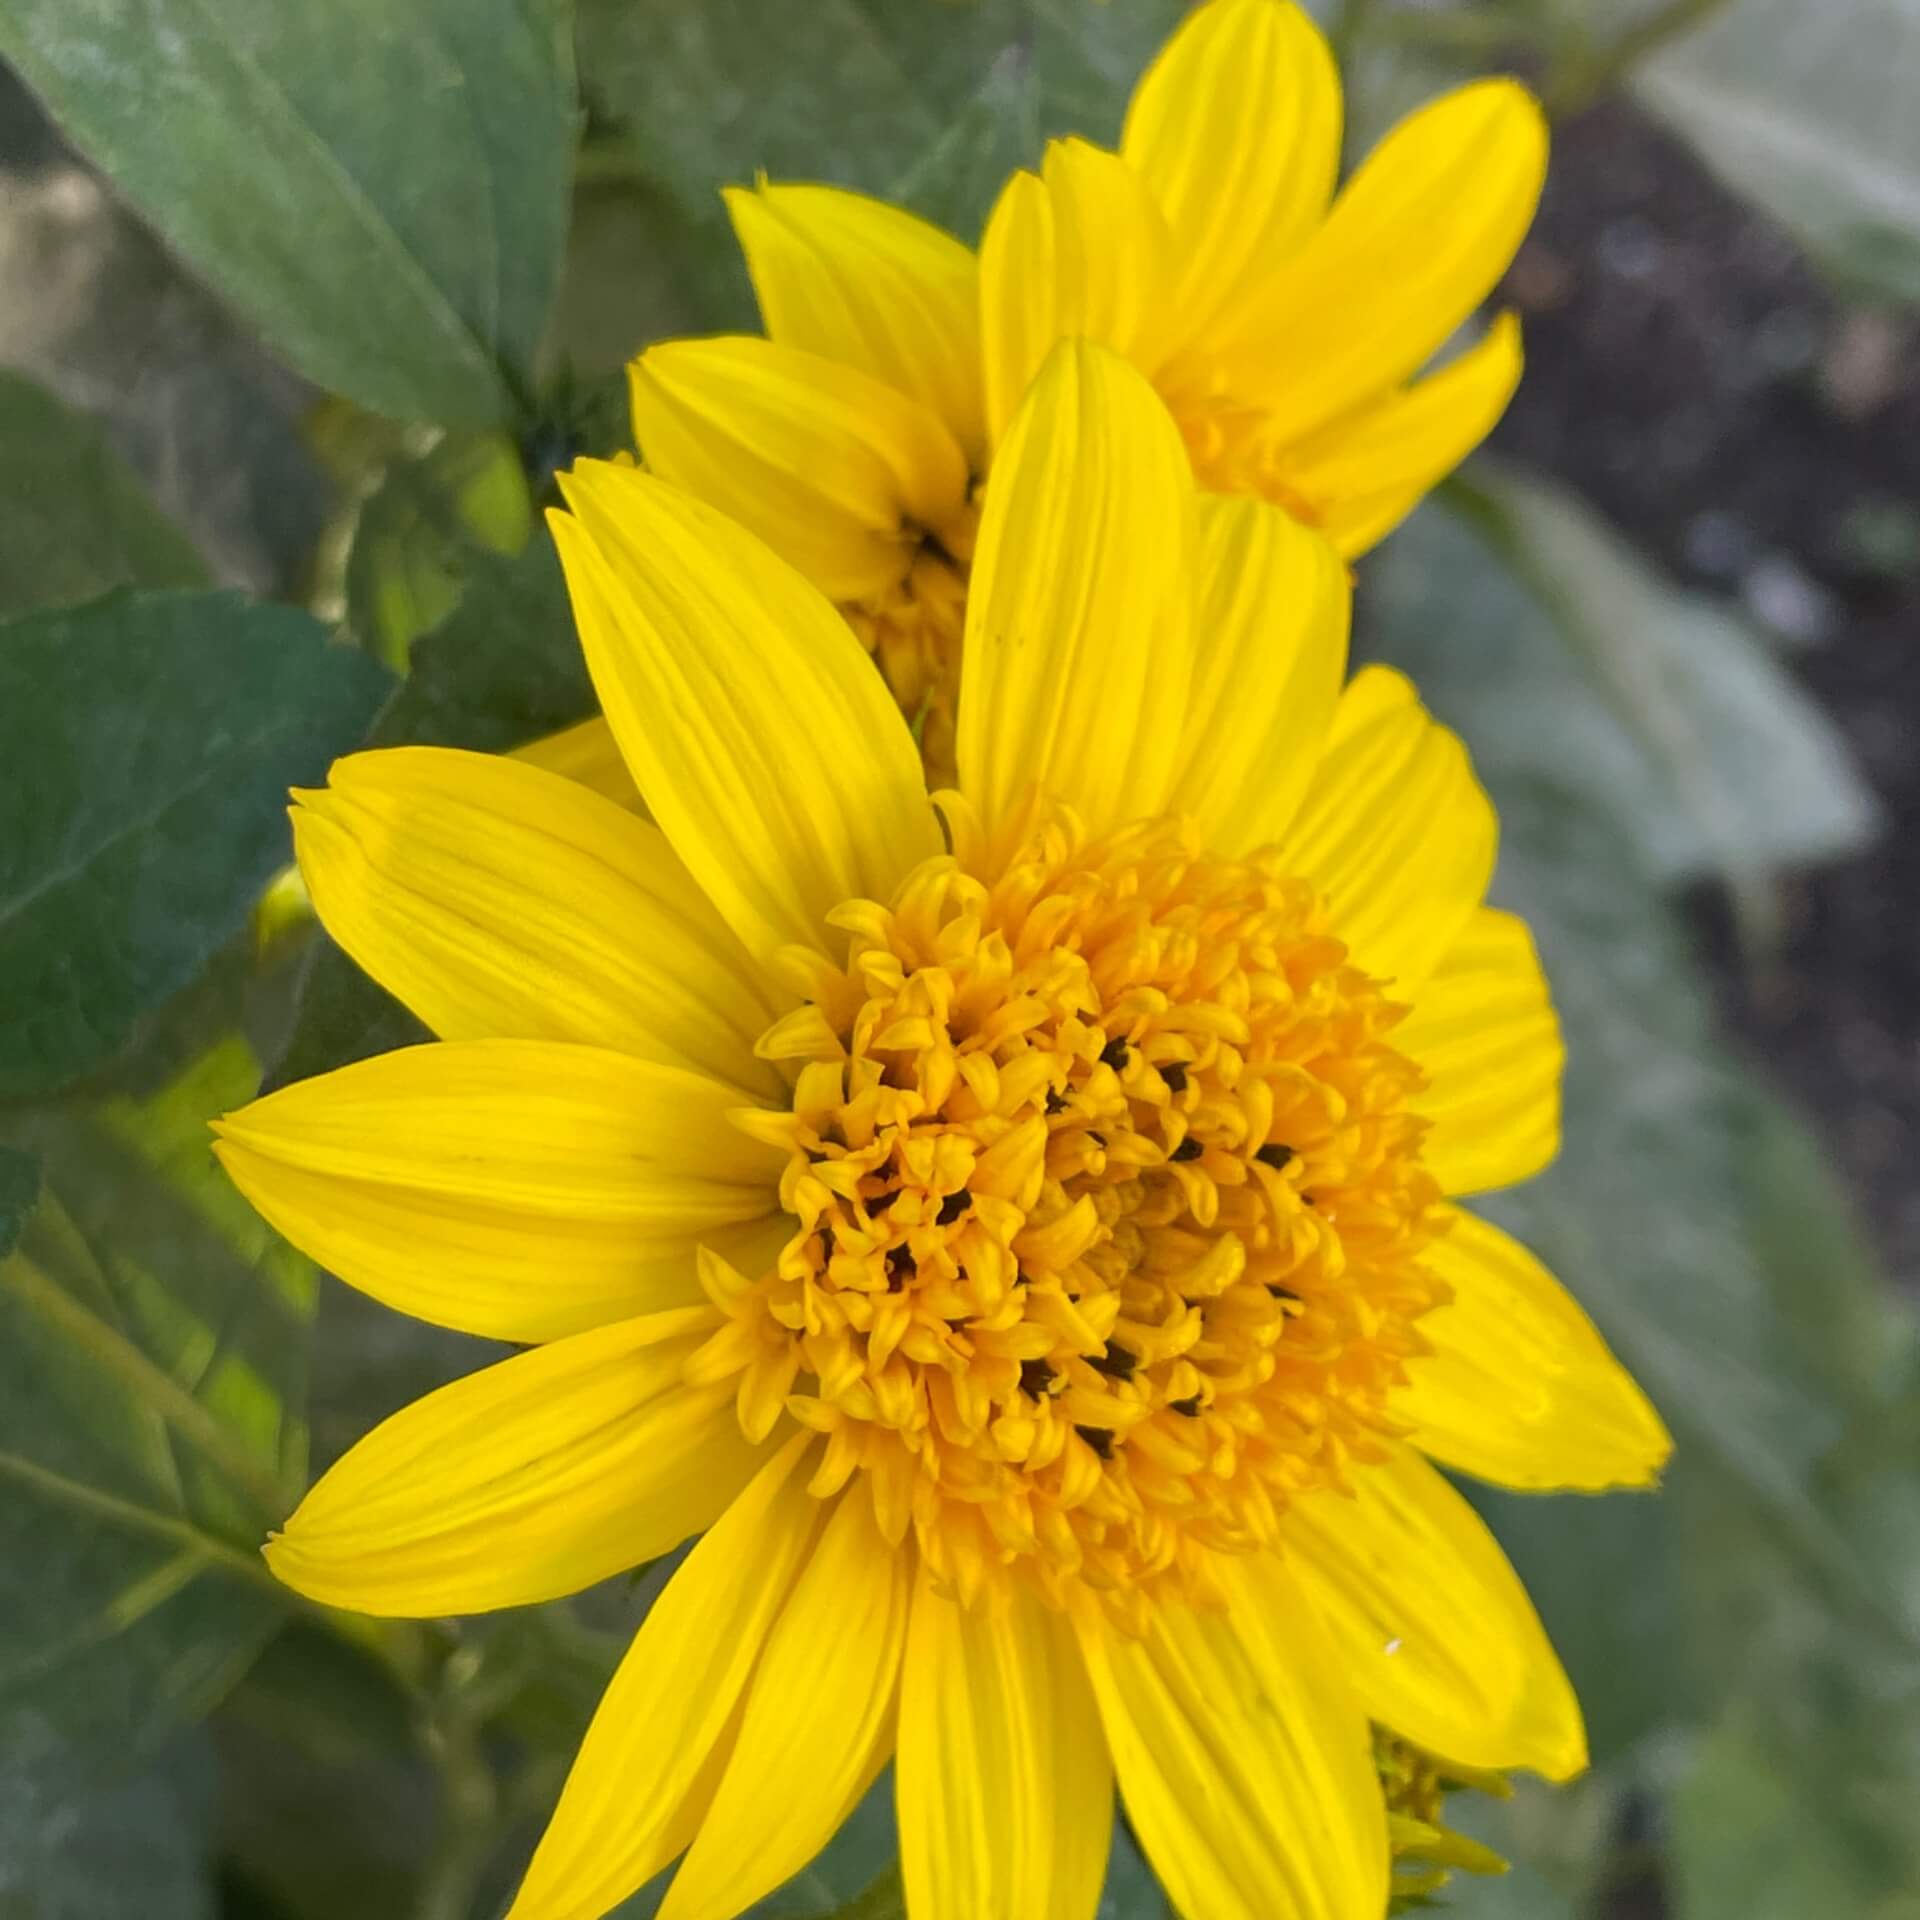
(469, 1820)
(1587, 77)
(138, 1519)
(1350, 31)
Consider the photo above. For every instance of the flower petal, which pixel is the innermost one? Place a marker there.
(1079, 633)
(1520, 1388)
(1369, 469)
(511, 1188)
(1244, 1759)
(502, 902)
(764, 742)
(1080, 251)
(835, 470)
(1484, 1032)
(589, 754)
(1430, 1623)
(1005, 1790)
(1270, 653)
(1414, 243)
(1236, 128)
(818, 1723)
(646, 1770)
(527, 1480)
(872, 286)
(1395, 830)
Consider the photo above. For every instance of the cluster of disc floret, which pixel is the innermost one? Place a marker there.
(1108, 1207)
(914, 632)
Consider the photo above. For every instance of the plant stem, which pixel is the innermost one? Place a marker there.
(1587, 76)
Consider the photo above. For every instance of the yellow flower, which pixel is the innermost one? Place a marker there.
(1031, 1264)
(1284, 326)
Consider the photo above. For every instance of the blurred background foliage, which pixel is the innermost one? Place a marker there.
(300, 308)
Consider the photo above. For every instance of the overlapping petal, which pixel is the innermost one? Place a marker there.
(873, 287)
(1430, 1624)
(647, 1769)
(1236, 128)
(1270, 652)
(1368, 470)
(1395, 830)
(1243, 1755)
(502, 902)
(1414, 242)
(1079, 638)
(765, 744)
(818, 1721)
(1079, 251)
(514, 1188)
(527, 1480)
(837, 471)
(589, 754)
(1005, 1788)
(1520, 1388)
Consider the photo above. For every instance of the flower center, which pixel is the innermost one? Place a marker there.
(1108, 1208)
(914, 633)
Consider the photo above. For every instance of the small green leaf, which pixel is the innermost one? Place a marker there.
(380, 186)
(74, 519)
(150, 741)
(418, 529)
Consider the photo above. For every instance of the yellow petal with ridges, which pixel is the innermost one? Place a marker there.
(768, 748)
(1079, 637)
(1081, 252)
(1244, 1758)
(1483, 1030)
(1415, 241)
(1004, 1788)
(1520, 1388)
(834, 469)
(501, 902)
(872, 286)
(1236, 128)
(1395, 830)
(817, 1726)
(1368, 470)
(513, 1188)
(589, 754)
(647, 1769)
(1270, 653)
(527, 1480)
(1430, 1623)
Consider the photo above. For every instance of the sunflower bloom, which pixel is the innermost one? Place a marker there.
(1286, 328)
(1026, 1253)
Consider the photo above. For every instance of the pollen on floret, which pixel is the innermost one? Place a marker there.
(1108, 1212)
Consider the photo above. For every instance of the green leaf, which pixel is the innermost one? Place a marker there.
(134, 1848)
(151, 740)
(956, 180)
(74, 519)
(1808, 110)
(380, 186)
(153, 1336)
(855, 92)
(19, 1190)
(1674, 714)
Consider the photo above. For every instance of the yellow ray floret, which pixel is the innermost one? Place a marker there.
(1020, 1225)
(1290, 329)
